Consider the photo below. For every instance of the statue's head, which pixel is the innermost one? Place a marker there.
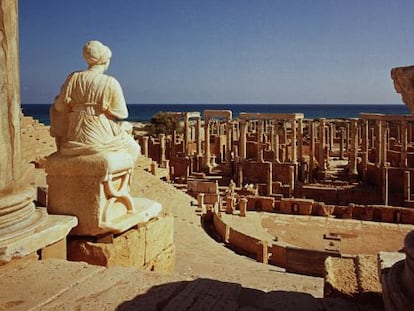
(95, 53)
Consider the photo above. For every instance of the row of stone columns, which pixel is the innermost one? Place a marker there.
(267, 132)
(209, 118)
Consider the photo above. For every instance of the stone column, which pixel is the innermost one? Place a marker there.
(404, 144)
(276, 146)
(242, 139)
(300, 140)
(18, 216)
(186, 135)
(162, 147)
(221, 128)
(207, 155)
(353, 154)
(379, 137)
(294, 155)
(198, 136)
(312, 146)
(365, 139)
(229, 205)
(322, 144)
(23, 228)
(243, 207)
(332, 135)
(269, 180)
(407, 185)
(260, 141)
(145, 140)
(341, 144)
(285, 141)
(347, 137)
(385, 140)
(372, 141)
(10, 161)
(228, 142)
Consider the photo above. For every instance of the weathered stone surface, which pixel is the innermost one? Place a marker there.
(95, 188)
(159, 235)
(42, 282)
(355, 279)
(10, 170)
(404, 84)
(148, 247)
(55, 229)
(340, 279)
(164, 261)
(369, 285)
(127, 249)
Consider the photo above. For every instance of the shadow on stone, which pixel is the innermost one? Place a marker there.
(207, 294)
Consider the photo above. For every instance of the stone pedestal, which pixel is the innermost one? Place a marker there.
(95, 188)
(148, 246)
(243, 207)
(398, 281)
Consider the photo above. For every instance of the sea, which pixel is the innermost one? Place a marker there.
(144, 112)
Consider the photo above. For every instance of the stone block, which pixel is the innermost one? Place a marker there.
(127, 249)
(340, 278)
(159, 236)
(278, 257)
(163, 262)
(56, 250)
(286, 206)
(387, 214)
(138, 247)
(367, 272)
(305, 206)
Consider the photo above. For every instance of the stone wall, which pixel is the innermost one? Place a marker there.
(293, 259)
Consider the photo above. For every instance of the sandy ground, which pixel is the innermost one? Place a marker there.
(357, 237)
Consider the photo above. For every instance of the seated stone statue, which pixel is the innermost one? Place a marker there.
(85, 113)
(89, 176)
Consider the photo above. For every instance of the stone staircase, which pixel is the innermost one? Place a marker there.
(36, 142)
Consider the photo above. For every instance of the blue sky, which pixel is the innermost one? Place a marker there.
(222, 51)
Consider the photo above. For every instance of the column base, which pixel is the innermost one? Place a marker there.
(55, 228)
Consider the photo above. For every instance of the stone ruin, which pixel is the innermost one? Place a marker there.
(295, 165)
(357, 168)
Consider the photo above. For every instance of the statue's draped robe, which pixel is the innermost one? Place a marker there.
(84, 114)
